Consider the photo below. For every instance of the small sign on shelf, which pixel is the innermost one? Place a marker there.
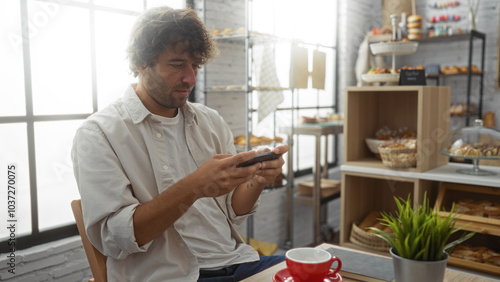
(412, 77)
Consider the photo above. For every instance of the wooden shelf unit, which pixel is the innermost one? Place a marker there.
(367, 189)
(367, 185)
(423, 109)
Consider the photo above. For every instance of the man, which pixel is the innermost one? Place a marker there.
(158, 177)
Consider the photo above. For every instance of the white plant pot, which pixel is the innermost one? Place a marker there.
(407, 270)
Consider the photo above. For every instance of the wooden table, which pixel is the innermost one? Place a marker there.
(450, 275)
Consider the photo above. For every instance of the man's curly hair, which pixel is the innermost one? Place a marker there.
(161, 27)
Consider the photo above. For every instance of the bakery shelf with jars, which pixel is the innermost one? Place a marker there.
(414, 118)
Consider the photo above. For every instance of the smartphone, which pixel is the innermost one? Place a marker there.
(267, 156)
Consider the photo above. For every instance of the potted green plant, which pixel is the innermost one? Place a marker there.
(419, 240)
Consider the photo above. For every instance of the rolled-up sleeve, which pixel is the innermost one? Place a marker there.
(233, 217)
(108, 203)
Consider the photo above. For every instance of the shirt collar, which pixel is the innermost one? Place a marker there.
(139, 112)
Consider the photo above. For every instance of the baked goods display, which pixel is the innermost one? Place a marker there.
(392, 47)
(317, 119)
(477, 254)
(461, 109)
(362, 236)
(387, 133)
(228, 32)
(394, 141)
(488, 149)
(475, 150)
(241, 140)
(477, 142)
(414, 25)
(449, 70)
(482, 208)
(403, 47)
(401, 153)
(389, 70)
(242, 87)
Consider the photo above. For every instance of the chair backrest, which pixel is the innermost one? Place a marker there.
(97, 260)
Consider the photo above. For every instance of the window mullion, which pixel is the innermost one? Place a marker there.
(93, 62)
(25, 32)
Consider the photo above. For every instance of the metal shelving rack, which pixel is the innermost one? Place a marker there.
(249, 39)
(473, 35)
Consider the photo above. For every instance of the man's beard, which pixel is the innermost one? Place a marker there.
(162, 93)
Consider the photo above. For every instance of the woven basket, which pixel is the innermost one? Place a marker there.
(367, 240)
(398, 157)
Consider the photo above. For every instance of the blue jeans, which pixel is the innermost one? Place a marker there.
(239, 272)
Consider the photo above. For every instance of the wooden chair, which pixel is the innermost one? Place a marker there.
(97, 260)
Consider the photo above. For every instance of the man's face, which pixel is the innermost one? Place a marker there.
(172, 78)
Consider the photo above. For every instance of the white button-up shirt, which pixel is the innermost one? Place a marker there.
(119, 159)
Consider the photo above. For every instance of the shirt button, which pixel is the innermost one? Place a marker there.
(165, 167)
(158, 135)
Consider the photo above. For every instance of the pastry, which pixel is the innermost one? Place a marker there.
(492, 211)
(494, 260)
(450, 70)
(417, 24)
(240, 30)
(415, 31)
(370, 220)
(227, 31)
(475, 212)
(414, 26)
(414, 18)
(414, 36)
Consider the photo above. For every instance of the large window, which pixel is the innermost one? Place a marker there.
(63, 60)
(312, 27)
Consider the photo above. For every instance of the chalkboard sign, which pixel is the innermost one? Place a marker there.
(412, 77)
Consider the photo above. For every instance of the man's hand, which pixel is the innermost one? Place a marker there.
(219, 175)
(271, 169)
(246, 195)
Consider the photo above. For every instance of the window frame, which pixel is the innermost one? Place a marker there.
(37, 237)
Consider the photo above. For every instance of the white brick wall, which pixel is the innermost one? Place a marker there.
(62, 260)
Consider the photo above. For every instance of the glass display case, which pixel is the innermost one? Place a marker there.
(474, 143)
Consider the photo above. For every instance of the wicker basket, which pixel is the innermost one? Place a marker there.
(398, 157)
(367, 240)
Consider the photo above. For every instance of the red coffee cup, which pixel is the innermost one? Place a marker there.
(310, 264)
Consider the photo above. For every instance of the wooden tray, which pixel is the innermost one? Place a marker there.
(474, 265)
(328, 187)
